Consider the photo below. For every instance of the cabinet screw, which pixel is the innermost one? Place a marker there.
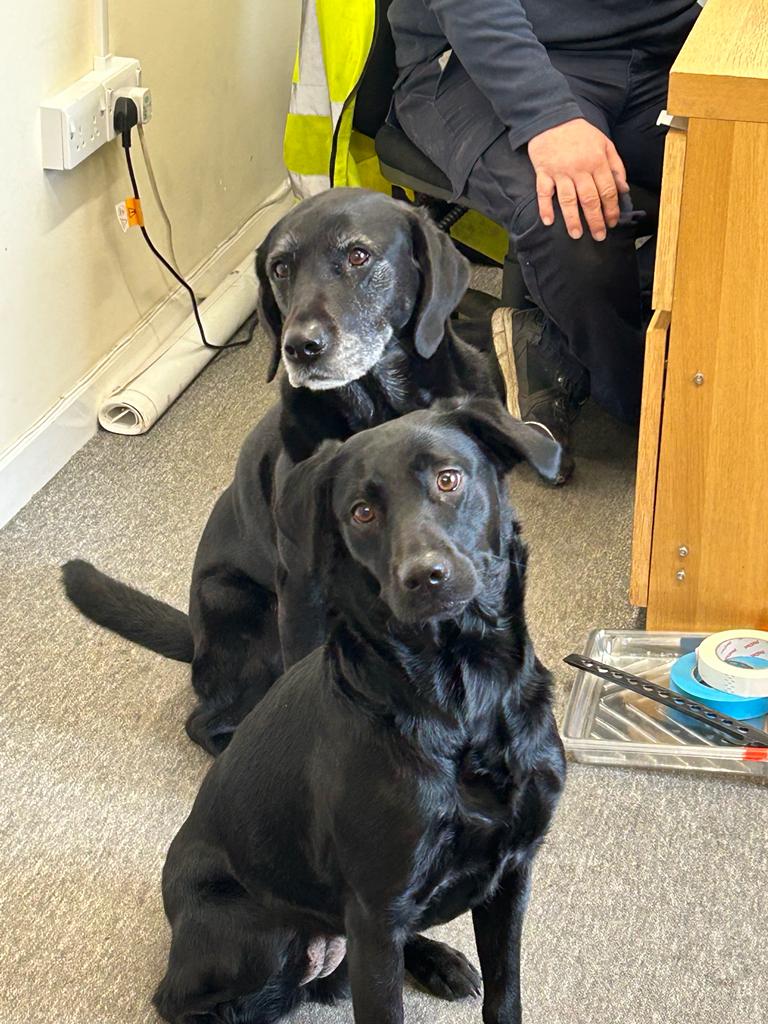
(698, 378)
(682, 551)
(680, 575)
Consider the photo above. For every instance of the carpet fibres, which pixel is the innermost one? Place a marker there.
(646, 897)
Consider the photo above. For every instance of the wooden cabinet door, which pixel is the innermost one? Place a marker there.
(655, 361)
(712, 486)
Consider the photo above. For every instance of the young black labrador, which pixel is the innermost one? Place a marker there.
(398, 776)
(358, 288)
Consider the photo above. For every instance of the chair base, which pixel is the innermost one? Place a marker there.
(477, 305)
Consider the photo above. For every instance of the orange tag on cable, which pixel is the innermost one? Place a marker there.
(129, 213)
(133, 210)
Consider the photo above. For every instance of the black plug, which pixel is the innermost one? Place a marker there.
(126, 117)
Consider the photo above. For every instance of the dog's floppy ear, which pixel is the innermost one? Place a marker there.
(444, 279)
(303, 511)
(504, 439)
(270, 317)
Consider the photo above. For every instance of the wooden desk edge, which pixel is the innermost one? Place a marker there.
(721, 72)
(718, 97)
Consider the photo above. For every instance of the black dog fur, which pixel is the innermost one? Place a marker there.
(387, 317)
(400, 775)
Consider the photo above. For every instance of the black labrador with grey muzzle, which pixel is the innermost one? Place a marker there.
(358, 288)
(400, 775)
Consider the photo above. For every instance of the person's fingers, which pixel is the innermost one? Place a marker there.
(545, 190)
(569, 204)
(609, 195)
(589, 199)
(616, 165)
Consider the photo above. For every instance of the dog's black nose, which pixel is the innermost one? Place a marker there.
(303, 344)
(428, 573)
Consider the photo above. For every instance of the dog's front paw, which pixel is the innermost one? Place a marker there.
(441, 970)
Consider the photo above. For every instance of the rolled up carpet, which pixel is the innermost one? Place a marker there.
(139, 404)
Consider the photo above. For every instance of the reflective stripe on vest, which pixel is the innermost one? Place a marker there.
(334, 43)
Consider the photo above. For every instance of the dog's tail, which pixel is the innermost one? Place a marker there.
(128, 612)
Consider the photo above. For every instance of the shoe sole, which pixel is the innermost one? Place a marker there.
(503, 337)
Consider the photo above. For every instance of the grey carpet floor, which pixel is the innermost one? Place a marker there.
(647, 897)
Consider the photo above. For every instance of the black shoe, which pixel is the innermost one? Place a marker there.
(540, 391)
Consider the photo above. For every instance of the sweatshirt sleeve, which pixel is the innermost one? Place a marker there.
(497, 47)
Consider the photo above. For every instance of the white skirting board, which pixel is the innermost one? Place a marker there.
(36, 457)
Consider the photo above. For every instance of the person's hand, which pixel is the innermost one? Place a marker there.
(580, 164)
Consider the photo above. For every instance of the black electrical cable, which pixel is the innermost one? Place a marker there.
(126, 134)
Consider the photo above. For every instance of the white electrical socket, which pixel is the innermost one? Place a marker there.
(77, 121)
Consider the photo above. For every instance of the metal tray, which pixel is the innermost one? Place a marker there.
(605, 724)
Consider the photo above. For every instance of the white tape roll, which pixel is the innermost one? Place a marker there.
(724, 661)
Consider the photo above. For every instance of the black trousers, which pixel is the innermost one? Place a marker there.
(589, 291)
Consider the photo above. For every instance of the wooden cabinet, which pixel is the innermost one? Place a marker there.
(700, 547)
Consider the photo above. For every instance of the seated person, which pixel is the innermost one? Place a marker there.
(540, 112)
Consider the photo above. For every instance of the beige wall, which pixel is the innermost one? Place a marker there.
(71, 283)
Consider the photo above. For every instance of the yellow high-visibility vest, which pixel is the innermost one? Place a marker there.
(334, 42)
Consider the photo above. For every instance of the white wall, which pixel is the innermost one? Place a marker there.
(71, 283)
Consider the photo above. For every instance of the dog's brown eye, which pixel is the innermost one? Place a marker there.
(280, 269)
(448, 479)
(357, 256)
(363, 513)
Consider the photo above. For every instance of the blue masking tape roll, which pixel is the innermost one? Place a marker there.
(684, 680)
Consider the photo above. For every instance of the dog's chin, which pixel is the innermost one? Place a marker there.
(341, 366)
(422, 614)
(318, 382)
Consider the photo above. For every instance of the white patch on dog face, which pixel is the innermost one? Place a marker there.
(347, 361)
(356, 316)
